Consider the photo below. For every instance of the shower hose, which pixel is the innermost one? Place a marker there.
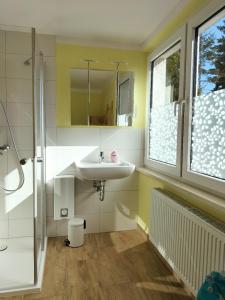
(20, 169)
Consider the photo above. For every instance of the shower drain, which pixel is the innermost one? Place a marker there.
(3, 247)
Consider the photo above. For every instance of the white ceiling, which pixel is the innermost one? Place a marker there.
(119, 23)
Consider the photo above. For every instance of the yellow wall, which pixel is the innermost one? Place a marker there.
(172, 25)
(147, 184)
(72, 56)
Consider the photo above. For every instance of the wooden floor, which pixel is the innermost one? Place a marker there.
(118, 265)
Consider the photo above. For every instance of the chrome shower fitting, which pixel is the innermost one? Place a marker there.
(27, 62)
(4, 148)
(7, 147)
(3, 247)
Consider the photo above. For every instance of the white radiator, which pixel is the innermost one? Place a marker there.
(191, 242)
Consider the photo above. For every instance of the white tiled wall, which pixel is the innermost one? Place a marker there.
(118, 210)
(16, 209)
(64, 147)
(16, 215)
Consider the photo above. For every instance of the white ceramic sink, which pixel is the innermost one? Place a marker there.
(104, 170)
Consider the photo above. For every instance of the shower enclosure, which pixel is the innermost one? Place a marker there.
(22, 176)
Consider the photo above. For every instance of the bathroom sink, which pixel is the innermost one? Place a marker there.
(104, 170)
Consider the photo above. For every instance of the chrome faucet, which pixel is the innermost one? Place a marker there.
(101, 156)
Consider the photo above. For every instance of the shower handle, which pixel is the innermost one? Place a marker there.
(40, 159)
(4, 147)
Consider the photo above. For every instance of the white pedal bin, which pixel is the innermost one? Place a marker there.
(76, 228)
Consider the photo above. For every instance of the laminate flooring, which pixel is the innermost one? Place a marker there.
(115, 265)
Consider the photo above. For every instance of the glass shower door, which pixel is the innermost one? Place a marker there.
(40, 166)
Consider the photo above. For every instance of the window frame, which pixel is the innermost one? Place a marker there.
(179, 36)
(182, 172)
(203, 181)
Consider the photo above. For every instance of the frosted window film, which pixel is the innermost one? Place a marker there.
(208, 134)
(163, 134)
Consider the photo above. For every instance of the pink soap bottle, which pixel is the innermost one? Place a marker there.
(114, 156)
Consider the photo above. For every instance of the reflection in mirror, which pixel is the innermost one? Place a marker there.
(125, 99)
(101, 110)
(108, 101)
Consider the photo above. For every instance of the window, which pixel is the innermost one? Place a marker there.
(163, 111)
(164, 130)
(202, 159)
(208, 101)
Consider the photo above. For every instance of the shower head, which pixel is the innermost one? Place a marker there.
(27, 62)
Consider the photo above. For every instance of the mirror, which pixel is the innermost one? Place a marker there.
(101, 97)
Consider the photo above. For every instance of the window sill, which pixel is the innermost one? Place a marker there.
(216, 201)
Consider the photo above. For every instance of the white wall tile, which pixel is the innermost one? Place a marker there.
(78, 137)
(23, 136)
(50, 116)
(134, 156)
(51, 227)
(46, 44)
(2, 41)
(50, 92)
(23, 210)
(65, 160)
(3, 211)
(2, 90)
(129, 183)
(107, 222)
(85, 186)
(49, 64)
(15, 67)
(120, 138)
(19, 90)
(21, 227)
(50, 68)
(18, 42)
(62, 228)
(50, 205)
(51, 159)
(2, 65)
(3, 163)
(51, 136)
(87, 203)
(13, 200)
(3, 135)
(20, 114)
(4, 229)
(124, 222)
(2, 115)
(50, 187)
(116, 222)
(124, 201)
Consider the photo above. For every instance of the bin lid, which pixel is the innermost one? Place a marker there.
(76, 221)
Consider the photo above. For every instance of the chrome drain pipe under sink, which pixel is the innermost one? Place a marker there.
(99, 185)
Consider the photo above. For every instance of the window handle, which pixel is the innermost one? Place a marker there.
(179, 102)
(175, 104)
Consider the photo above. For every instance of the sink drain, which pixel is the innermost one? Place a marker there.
(3, 247)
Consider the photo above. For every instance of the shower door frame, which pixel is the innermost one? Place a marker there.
(37, 160)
